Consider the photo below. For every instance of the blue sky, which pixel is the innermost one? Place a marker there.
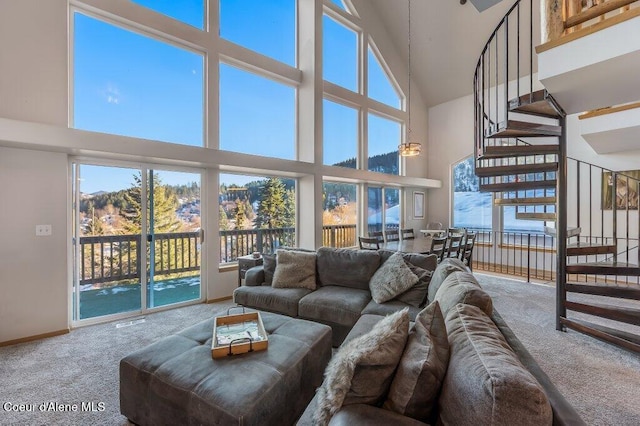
(128, 84)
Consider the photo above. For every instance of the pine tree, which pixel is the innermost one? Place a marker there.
(223, 219)
(165, 204)
(272, 205)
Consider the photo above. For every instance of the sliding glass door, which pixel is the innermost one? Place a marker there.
(133, 226)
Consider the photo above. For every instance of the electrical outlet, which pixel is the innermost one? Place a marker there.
(43, 230)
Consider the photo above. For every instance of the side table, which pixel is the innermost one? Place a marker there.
(245, 263)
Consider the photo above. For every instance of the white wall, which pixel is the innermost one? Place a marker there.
(33, 270)
(33, 61)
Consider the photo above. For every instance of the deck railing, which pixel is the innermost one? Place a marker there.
(115, 258)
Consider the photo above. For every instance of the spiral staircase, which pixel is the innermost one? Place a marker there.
(521, 157)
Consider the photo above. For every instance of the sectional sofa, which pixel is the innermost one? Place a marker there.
(490, 377)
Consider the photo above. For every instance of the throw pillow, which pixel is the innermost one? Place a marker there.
(362, 369)
(391, 279)
(462, 287)
(295, 269)
(269, 267)
(417, 295)
(416, 384)
(486, 382)
(446, 267)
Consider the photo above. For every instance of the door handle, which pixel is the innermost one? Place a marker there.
(149, 237)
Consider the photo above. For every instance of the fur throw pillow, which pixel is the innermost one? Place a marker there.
(362, 369)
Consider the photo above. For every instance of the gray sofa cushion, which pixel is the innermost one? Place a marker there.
(362, 414)
(417, 295)
(347, 267)
(416, 384)
(462, 287)
(279, 300)
(391, 279)
(424, 261)
(443, 270)
(334, 304)
(269, 264)
(485, 382)
(389, 307)
(362, 369)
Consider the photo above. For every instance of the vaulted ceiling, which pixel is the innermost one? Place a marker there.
(446, 41)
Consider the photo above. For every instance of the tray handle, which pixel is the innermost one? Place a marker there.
(230, 353)
(236, 307)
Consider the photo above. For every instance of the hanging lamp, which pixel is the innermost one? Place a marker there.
(409, 148)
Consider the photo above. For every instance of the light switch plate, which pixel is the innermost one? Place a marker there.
(43, 230)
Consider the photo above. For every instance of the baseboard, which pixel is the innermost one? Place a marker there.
(220, 299)
(36, 337)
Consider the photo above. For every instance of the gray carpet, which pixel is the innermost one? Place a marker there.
(601, 381)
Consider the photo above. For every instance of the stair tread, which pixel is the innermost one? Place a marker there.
(605, 289)
(571, 232)
(517, 186)
(539, 201)
(522, 129)
(618, 337)
(612, 312)
(546, 216)
(516, 169)
(503, 151)
(608, 267)
(582, 248)
(536, 103)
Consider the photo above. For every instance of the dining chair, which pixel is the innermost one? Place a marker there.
(467, 249)
(407, 234)
(377, 234)
(456, 232)
(369, 243)
(392, 235)
(454, 245)
(438, 245)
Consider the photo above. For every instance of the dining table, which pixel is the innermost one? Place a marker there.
(413, 245)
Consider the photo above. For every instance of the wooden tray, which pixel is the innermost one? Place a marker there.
(231, 334)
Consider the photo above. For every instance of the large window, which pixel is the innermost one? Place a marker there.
(128, 84)
(188, 11)
(257, 115)
(471, 208)
(340, 134)
(384, 138)
(339, 214)
(379, 85)
(340, 54)
(255, 214)
(267, 27)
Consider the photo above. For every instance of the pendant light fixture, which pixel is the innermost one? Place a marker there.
(409, 148)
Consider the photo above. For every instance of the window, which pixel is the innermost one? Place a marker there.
(340, 134)
(340, 54)
(471, 208)
(255, 214)
(374, 209)
(384, 138)
(257, 115)
(339, 214)
(267, 27)
(188, 11)
(383, 208)
(340, 4)
(379, 85)
(132, 85)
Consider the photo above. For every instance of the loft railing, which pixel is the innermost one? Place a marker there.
(562, 17)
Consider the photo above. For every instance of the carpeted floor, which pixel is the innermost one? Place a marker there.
(601, 381)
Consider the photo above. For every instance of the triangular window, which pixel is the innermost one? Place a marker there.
(380, 86)
(341, 5)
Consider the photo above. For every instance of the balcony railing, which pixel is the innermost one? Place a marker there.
(115, 258)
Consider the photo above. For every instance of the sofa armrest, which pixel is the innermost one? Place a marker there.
(563, 412)
(254, 276)
(362, 414)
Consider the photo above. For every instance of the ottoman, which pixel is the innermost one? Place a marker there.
(176, 382)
